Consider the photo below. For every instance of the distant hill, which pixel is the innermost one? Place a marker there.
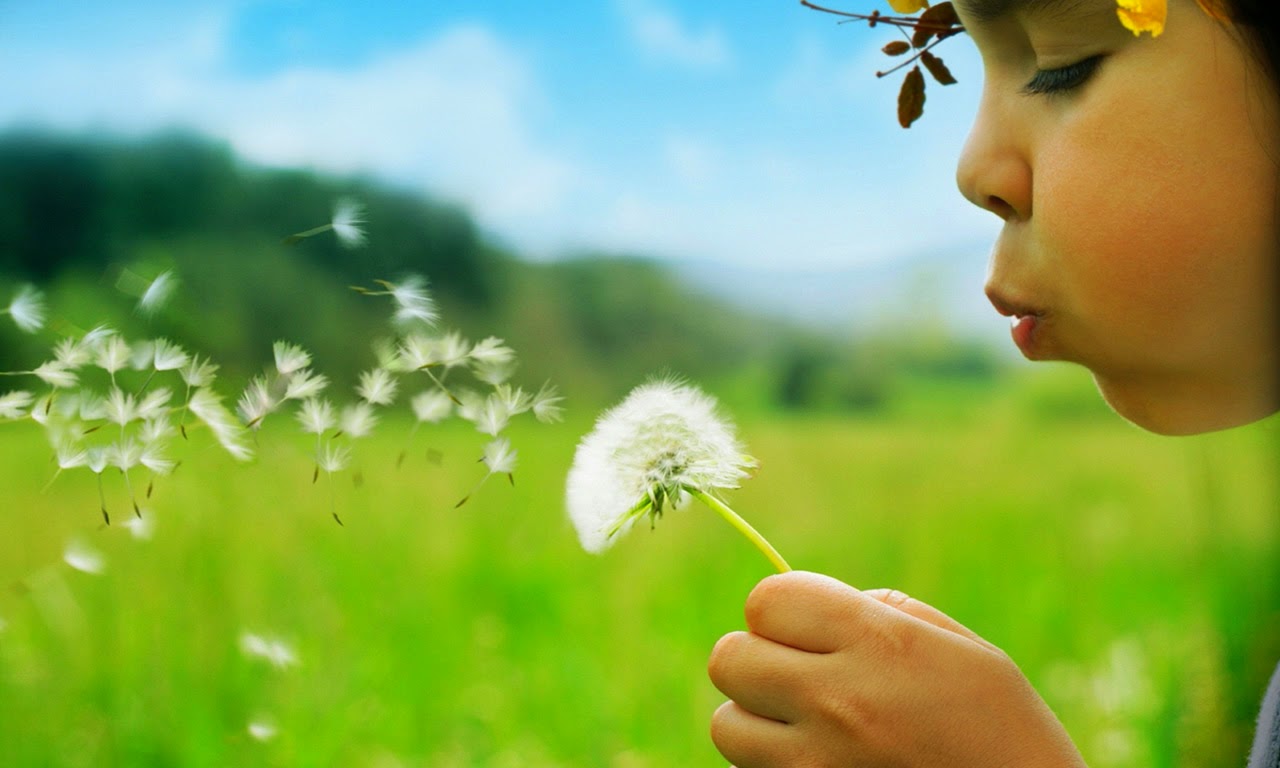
(77, 212)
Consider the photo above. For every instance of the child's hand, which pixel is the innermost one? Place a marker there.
(827, 675)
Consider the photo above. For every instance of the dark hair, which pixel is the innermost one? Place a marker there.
(1256, 18)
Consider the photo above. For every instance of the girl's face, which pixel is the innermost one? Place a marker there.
(1137, 181)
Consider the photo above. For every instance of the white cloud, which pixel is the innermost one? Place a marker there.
(663, 36)
(453, 113)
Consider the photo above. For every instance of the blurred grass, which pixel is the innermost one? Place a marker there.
(1133, 577)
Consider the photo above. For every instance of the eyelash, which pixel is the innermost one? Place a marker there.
(1063, 80)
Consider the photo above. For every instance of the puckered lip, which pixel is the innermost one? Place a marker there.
(1011, 307)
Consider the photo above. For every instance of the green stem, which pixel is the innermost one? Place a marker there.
(743, 527)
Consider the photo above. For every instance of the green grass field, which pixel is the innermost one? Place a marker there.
(1133, 577)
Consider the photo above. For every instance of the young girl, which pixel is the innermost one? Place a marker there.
(1137, 180)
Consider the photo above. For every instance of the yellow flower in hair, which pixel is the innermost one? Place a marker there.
(1141, 16)
(908, 6)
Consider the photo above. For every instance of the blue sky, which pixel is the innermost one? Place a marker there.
(751, 133)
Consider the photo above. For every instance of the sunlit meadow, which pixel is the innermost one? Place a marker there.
(1129, 575)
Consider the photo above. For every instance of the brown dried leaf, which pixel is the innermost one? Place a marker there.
(911, 98)
(936, 20)
(937, 68)
(896, 47)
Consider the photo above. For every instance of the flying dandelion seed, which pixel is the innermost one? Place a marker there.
(348, 216)
(261, 729)
(143, 527)
(157, 293)
(664, 444)
(15, 405)
(289, 357)
(377, 387)
(84, 558)
(27, 309)
(272, 650)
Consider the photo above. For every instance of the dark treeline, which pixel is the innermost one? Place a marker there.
(77, 211)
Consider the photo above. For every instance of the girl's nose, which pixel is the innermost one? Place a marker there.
(994, 172)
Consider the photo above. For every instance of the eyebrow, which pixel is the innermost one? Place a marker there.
(985, 11)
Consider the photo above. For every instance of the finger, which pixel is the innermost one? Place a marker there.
(760, 675)
(809, 611)
(747, 740)
(923, 611)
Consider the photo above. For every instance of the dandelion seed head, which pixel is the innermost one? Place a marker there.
(157, 293)
(142, 355)
(97, 460)
(431, 406)
(493, 416)
(348, 216)
(14, 405)
(290, 357)
(69, 455)
(453, 350)
(27, 309)
(377, 387)
(125, 454)
(155, 430)
(492, 351)
(84, 558)
(664, 438)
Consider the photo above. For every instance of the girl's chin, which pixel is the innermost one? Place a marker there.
(1176, 409)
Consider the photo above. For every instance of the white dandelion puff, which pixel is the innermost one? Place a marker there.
(156, 430)
(415, 352)
(377, 387)
(157, 293)
(453, 350)
(664, 444)
(347, 221)
(358, 420)
(84, 558)
(290, 357)
(305, 384)
(27, 309)
(124, 455)
(142, 355)
(431, 406)
(57, 375)
(97, 460)
(167, 356)
(270, 649)
(15, 405)
(316, 416)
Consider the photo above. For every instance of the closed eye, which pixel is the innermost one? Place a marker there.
(1063, 79)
